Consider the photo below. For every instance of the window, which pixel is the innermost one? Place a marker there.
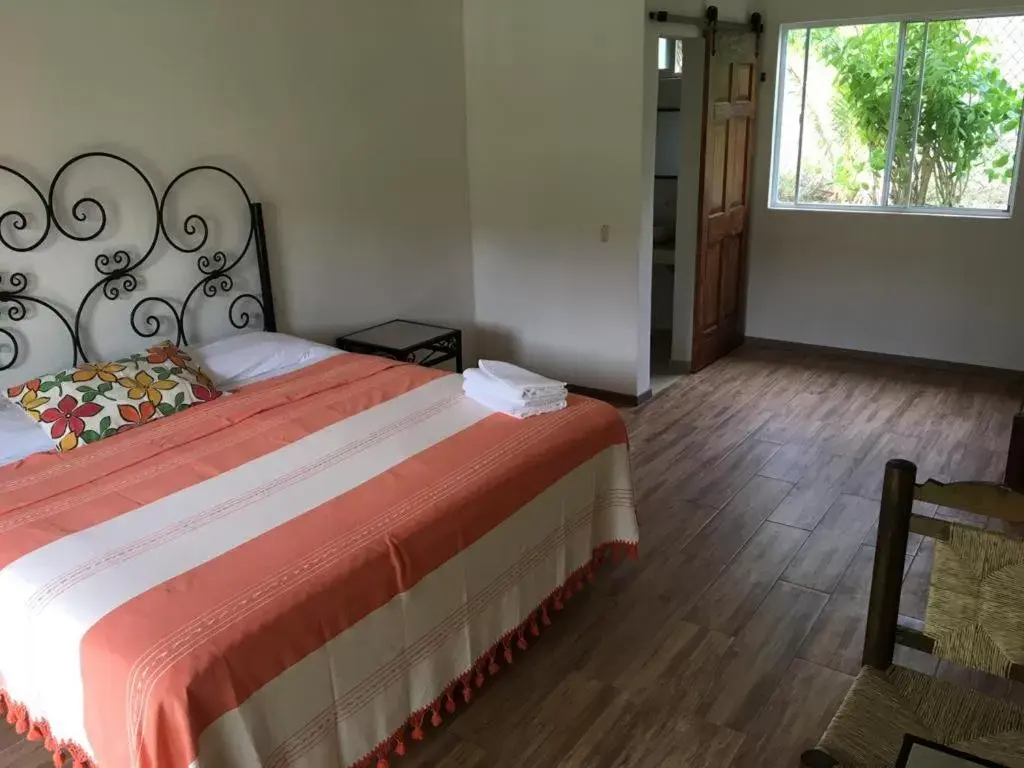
(670, 56)
(901, 116)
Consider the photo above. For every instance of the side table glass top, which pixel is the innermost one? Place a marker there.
(921, 753)
(399, 334)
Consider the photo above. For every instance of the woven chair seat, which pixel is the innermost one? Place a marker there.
(976, 600)
(868, 729)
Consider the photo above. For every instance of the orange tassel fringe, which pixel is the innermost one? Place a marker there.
(39, 730)
(488, 661)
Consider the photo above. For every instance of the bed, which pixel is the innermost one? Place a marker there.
(305, 572)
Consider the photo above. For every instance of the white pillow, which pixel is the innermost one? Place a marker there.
(247, 358)
(19, 435)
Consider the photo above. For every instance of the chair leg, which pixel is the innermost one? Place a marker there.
(887, 572)
(815, 758)
(1014, 477)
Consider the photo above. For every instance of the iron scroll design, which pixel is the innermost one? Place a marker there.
(118, 271)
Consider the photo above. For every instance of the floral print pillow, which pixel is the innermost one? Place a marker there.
(96, 400)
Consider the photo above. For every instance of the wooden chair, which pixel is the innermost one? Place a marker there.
(975, 618)
(1014, 475)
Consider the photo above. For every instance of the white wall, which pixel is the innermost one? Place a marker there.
(667, 150)
(346, 120)
(345, 117)
(688, 198)
(924, 286)
(561, 111)
(555, 98)
(666, 162)
(732, 10)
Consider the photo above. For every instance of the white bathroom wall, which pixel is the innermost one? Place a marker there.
(666, 168)
(688, 198)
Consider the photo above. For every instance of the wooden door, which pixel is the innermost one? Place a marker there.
(730, 86)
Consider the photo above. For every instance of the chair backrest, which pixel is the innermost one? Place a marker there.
(975, 614)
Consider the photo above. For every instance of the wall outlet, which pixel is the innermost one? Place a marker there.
(606, 232)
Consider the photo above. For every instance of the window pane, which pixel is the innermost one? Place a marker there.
(956, 124)
(850, 82)
(905, 154)
(789, 120)
(663, 53)
(966, 144)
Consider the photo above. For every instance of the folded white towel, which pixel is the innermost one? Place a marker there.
(488, 391)
(525, 383)
(510, 408)
(481, 382)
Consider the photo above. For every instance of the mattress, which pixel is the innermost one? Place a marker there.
(304, 573)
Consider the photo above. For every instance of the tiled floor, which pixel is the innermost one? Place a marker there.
(733, 639)
(663, 373)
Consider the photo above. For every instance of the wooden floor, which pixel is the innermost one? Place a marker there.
(734, 637)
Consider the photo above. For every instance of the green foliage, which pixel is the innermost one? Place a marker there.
(966, 108)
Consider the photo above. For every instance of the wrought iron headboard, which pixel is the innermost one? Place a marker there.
(118, 270)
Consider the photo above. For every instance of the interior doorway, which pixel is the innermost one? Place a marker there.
(677, 172)
(703, 142)
(720, 291)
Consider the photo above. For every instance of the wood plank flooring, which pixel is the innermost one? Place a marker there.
(734, 637)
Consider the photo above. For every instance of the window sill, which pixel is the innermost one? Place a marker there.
(948, 213)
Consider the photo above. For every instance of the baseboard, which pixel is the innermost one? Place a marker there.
(618, 399)
(880, 357)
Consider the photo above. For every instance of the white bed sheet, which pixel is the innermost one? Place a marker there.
(20, 436)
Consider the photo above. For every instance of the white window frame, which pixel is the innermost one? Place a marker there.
(884, 208)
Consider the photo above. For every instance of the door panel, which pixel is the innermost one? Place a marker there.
(743, 82)
(710, 281)
(736, 173)
(716, 197)
(727, 146)
(721, 78)
(730, 275)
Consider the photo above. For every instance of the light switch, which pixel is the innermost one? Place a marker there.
(605, 233)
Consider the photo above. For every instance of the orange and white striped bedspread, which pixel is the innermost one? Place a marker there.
(297, 574)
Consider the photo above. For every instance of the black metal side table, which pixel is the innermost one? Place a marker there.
(408, 341)
(922, 753)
